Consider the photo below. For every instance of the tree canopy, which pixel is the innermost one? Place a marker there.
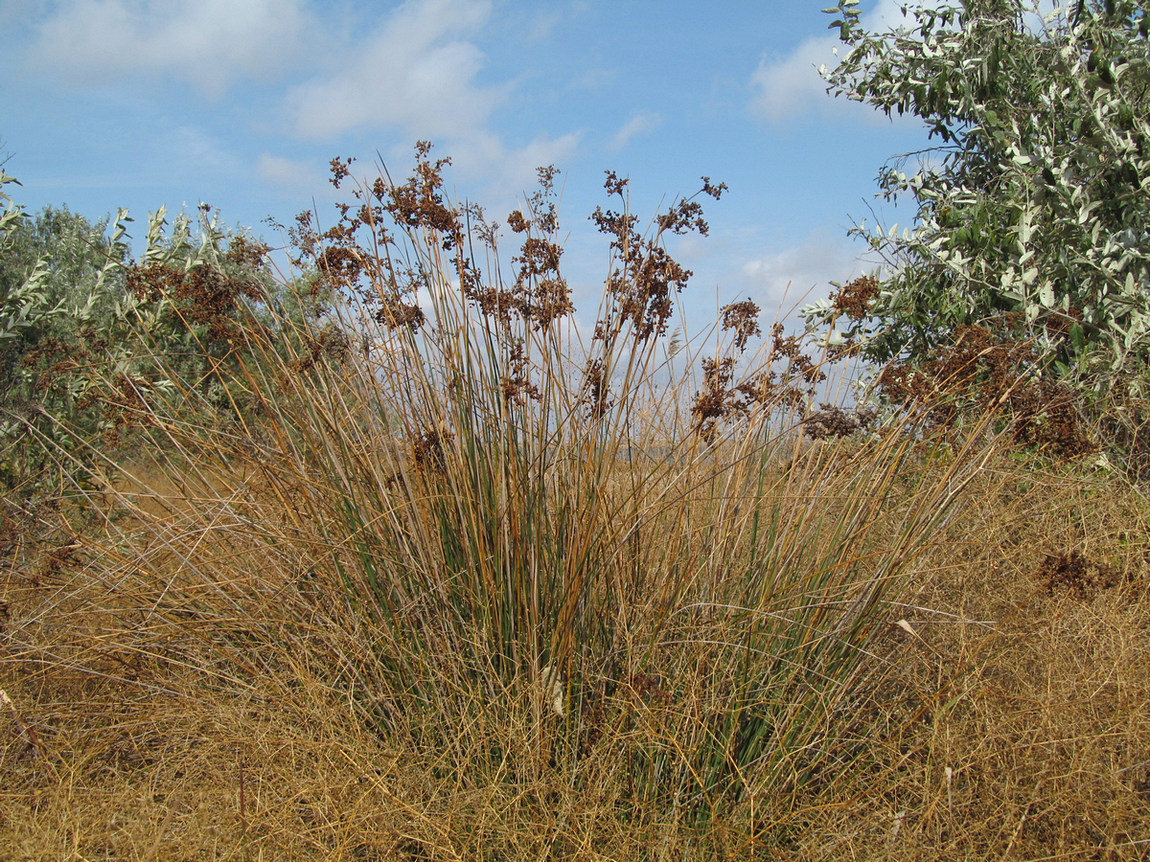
(1033, 209)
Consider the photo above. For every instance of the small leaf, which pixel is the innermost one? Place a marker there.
(1077, 338)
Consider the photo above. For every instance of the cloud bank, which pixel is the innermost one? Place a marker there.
(400, 73)
(417, 72)
(789, 87)
(208, 44)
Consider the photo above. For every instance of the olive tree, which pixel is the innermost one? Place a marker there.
(1033, 208)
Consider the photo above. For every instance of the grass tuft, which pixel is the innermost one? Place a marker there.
(453, 578)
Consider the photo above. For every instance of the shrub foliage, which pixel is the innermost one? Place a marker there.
(1032, 210)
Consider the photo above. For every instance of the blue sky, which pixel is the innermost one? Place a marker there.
(242, 103)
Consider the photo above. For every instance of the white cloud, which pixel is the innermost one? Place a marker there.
(637, 125)
(802, 273)
(508, 173)
(301, 178)
(417, 77)
(194, 148)
(416, 72)
(790, 86)
(208, 43)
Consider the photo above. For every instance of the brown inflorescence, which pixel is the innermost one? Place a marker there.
(331, 342)
(428, 450)
(982, 371)
(646, 277)
(743, 318)
(596, 392)
(855, 298)
(720, 398)
(355, 258)
(202, 295)
(830, 422)
(517, 387)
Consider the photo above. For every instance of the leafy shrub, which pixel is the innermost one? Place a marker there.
(1032, 211)
(84, 332)
(60, 279)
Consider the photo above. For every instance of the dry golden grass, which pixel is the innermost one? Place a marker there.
(1012, 720)
(1030, 707)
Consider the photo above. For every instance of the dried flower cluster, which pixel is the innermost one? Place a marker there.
(788, 381)
(720, 398)
(203, 295)
(830, 422)
(981, 371)
(429, 449)
(855, 298)
(645, 277)
(355, 256)
(362, 257)
(742, 318)
(331, 342)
